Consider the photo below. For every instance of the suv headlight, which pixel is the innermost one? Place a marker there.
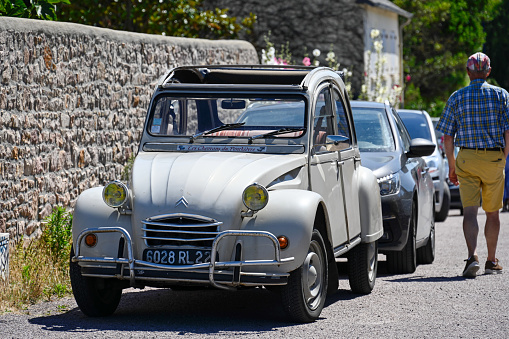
(115, 194)
(389, 184)
(255, 197)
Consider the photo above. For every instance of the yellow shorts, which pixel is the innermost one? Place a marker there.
(481, 172)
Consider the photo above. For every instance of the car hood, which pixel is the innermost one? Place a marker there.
(381, 163)
(208, 184)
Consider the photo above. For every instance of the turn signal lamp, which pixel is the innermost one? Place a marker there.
(91, 240)
(283, 242)
(255, 197)
(115, 194)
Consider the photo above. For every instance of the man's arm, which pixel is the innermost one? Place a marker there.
(449, 153)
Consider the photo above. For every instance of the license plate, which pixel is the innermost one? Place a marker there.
(176, 256)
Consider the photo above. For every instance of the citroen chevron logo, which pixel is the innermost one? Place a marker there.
(182, 201)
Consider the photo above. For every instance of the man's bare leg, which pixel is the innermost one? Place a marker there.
(491, 231)
(471, 228)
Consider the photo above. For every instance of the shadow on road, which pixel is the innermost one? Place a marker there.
(183, 312)
(428, 279)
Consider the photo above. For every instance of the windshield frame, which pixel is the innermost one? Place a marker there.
(257, 129)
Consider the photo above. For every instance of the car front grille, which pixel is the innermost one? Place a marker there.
(180, 230)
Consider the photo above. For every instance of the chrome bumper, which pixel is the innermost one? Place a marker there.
(134, 265)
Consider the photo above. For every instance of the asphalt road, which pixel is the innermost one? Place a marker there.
(433, 302)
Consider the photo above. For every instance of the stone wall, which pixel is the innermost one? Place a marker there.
(73, 99)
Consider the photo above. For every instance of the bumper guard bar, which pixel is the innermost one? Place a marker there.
(212, 266)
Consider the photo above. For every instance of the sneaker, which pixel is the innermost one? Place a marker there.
(491, 267)
(471, 267)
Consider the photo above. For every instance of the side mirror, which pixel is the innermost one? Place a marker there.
(420, 148)
(336, 143)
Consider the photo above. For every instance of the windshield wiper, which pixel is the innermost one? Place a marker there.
(276, 132)
(216, 129)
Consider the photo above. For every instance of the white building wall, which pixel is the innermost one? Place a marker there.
(387, 23)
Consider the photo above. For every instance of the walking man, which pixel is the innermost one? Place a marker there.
(476, 119)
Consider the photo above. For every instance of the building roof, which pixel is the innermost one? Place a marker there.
(387, 5)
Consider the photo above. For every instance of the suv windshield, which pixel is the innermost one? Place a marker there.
(373, 130)
(416, 125)
(249, 116)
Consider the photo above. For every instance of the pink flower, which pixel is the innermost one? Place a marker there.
(306, 61)
(408, 78)
(282, 62)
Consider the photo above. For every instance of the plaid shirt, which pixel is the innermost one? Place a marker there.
(477, 115)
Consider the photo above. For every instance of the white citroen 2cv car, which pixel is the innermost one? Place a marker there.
(246, 176)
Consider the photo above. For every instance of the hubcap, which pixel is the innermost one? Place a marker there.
(312, 276)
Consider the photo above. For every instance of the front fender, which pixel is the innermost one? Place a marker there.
(370, 206)
(290, 213)
(91, 211)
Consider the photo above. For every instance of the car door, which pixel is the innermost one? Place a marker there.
(325, 167)
(348, 162)
(423, 181)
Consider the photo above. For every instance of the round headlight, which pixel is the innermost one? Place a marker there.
(255, 197)
(115, 194)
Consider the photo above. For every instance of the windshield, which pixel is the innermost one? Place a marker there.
(416, 125)
(373, 130)
(248, 116)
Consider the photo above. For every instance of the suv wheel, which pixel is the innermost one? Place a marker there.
(405, 261)
(304, 295)
(362, 267)
(446, 203)
(426, 254)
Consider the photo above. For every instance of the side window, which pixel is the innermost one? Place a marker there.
(343, 128)
(324, 120)
(166, 116)
(405, 137)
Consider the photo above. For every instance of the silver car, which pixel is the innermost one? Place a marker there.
(420, 125)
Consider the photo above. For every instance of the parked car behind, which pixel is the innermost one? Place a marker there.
(405, 184)
(454, 190)
(419, 125)
(243, 178)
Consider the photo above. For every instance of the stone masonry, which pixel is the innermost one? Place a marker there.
(306, 25)
(73, 99)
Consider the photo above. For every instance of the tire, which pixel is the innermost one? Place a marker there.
(405, 261)
(93, 295)
(362, 267)
(304, 296)
(446, 203)
(426, 254)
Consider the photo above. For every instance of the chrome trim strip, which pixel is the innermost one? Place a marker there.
(346, 247)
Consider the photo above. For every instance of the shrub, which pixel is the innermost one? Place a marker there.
(38, 268)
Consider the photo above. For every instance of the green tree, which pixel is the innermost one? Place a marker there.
(182, 18)
(497, 44)
(31, 9)
(436, 44)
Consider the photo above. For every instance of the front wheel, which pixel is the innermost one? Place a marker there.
(362, 267)
(405, 261)
(304, 295)
(93, 295)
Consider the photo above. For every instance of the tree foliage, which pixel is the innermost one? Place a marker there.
(30, 9)
(436, 44)
(497, 44)
(182, 18)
